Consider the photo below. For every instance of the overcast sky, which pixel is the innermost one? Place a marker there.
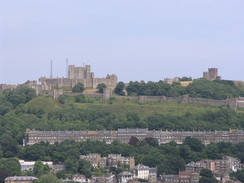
(135, 39)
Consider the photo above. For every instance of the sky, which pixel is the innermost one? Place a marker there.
(135, 39)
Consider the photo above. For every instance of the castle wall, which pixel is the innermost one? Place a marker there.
(172, 99)
(126, 97)
(5, 87)
(94, 95)
(240, 104)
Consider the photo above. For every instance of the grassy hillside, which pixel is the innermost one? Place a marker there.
(121, 106)
(239, 84)
(44, 102)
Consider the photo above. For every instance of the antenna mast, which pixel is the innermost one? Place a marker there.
(67, 68)
(51, 74)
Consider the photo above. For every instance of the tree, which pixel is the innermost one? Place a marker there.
(3, 175)
(119, 88)
(133, 141)
(61, 174)
(20, 96)
(11, 165)
(48, 178)
(195, 144)
(40, 168)
(184, 78)
(212, 151)
(78, 88)
(85, 168)
(239, 175)
(100, 87)
(80, 98)
(207, 176)
(61, 98)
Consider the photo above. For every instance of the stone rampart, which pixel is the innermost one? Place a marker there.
(126, 97)
(240, 104)
(231, 103)
(94, 95)
(172, 99)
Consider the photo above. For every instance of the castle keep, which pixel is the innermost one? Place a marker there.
(212, 74)
(80, 75)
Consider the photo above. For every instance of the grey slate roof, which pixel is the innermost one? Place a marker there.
(19, 178)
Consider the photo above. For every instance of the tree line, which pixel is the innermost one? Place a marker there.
(200, 88)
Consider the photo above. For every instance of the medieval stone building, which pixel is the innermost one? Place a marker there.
(212, 74)
(80, 75)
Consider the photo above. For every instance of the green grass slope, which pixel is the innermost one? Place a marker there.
(46, 103)
(122, 106)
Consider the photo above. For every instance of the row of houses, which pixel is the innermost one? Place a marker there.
(220, 168)
(112, 160)
(124, 135)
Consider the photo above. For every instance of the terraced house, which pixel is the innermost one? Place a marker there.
(124, 136)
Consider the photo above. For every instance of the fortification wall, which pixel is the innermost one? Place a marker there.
(97, 81)
(56, 93)
(240, 104)
(173, 99)
(51, 81)
(150, 99)
(126, 97)
(113, 79)
(95, 95)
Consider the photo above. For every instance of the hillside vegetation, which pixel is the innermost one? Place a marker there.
(22, 109)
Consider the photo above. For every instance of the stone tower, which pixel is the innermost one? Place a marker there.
(79, 72)
(212, 74)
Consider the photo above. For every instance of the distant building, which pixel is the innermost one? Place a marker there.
(212, 74)
(182, 177)
(141, 172)
(152, 174)
(225, 165)
(93, 158)
(124, 177)
(29, 165)
(104, 179)
(171, 80)
(56, 168)
(123, 135)
(20, 179)
(79, 178)
(80, 75)
(112, 160)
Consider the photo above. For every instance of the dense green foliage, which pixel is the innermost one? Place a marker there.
(78, 88)
(21, 109)
(207, 176)
(119, 88)
(200, 88)
(184, 78)
(100, 87)
(48, 178)
(169, 158)
(239, 175)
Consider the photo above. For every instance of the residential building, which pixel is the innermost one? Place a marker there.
(182, 177)
(141, 172)
(56, 168)
(112, 160)
(124, 135)
(20, 179)
(79, 178)
(124, 177)
(29, 165)
(152, 174)
(227, 164)
(92, 157)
